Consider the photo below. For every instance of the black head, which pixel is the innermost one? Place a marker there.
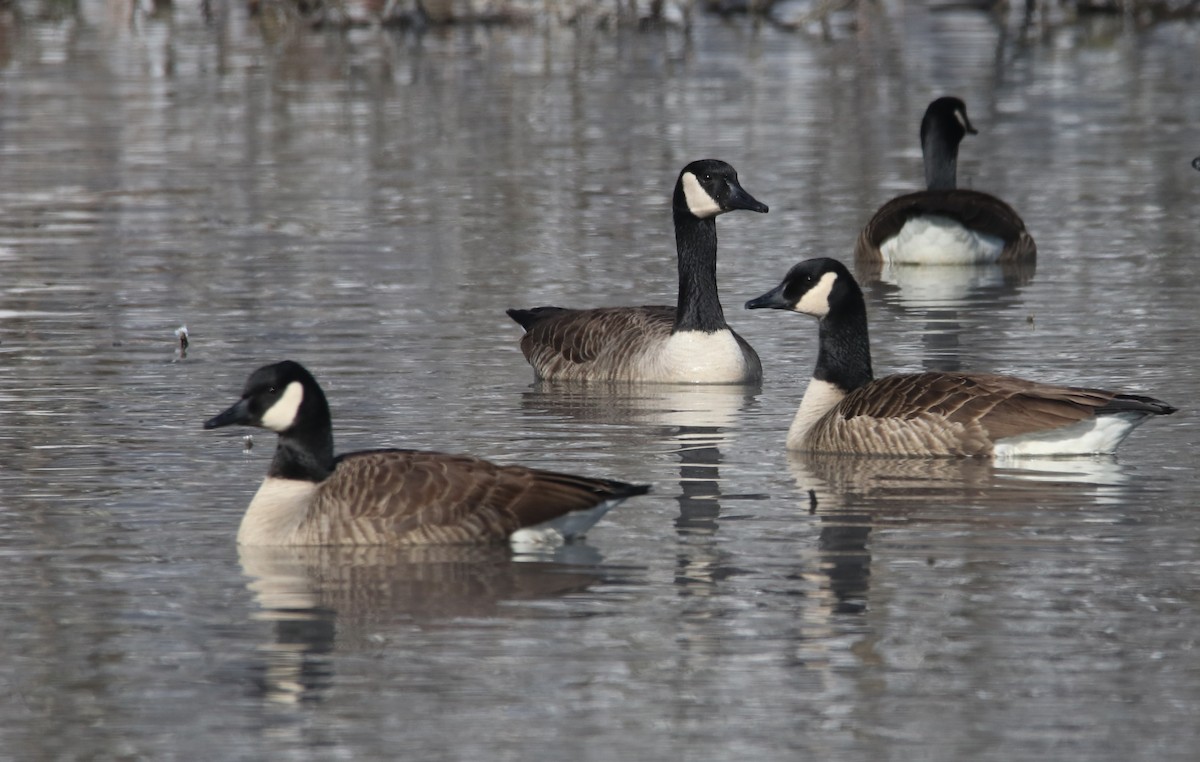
(949, 116)
(279, 397)
(817, 287)
(710, 187)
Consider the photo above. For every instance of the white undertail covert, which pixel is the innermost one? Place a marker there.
(1095, 436)
(933, 239)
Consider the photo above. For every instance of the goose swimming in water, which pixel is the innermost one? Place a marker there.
(945, 224)
(847, 410)
(689, 343)
(395, 497)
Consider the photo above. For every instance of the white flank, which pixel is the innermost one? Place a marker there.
(699, 202)
(276, 511)
(570, 526)
(700, 357)
(281, 415)
(815, 301)
(1097, 436)
(936, 240)
(819, 398)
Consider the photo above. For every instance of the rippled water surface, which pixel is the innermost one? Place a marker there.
(370, 202)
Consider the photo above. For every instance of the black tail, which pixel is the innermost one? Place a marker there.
(623, 490)
(604, 489)
(527, 318)
(1135, 403)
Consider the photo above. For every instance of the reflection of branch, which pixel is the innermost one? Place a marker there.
(1142, 13)
(1150, 12)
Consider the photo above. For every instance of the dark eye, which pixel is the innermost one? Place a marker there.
(707, 177)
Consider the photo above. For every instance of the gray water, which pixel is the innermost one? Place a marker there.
(370, 202)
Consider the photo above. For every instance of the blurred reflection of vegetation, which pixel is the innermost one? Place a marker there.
(791, 15)
(798, 16)
(424, 13)
(801, 16)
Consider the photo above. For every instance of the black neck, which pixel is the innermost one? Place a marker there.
(844, 357)
(305, 452)
(941, 159)
(699, 306)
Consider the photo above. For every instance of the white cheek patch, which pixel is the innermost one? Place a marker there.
(280, 416)
(962, 119)
(815, 301)
(699, 202)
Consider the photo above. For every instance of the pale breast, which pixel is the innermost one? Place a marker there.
(277, 512)
(819, 398)
(701, 357)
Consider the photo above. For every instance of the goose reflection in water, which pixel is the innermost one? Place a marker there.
(346, 598)
(852, 495)
(695, 423)
(940, 296)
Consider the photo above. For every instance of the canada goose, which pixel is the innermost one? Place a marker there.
(395, 497)
(945, 224)
(687, 343)
(846, 409)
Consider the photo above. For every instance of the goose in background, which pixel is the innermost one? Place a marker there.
(689, 343)
(395, 497)
(847, 410)
(945, 224)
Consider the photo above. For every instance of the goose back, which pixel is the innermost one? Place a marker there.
(603, 344)
(962, 414)
(631, 343)
(411, 497)
(999, 232)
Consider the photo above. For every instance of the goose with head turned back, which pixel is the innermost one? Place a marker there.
(847, 410)
(945, 224)
(395, 497)
(688, 343)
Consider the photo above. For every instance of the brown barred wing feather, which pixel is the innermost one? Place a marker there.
(951, 413)
(595, 344)
(407, 497)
